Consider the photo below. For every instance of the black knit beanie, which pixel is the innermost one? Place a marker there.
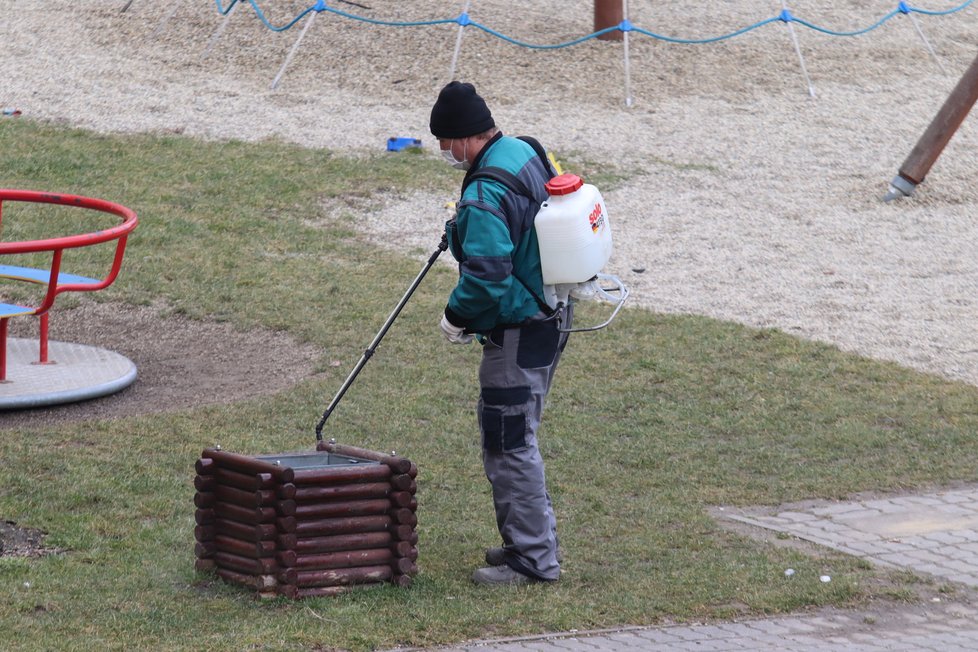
(459, 112)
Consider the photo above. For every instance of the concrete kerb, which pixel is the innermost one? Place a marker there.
(937, 627)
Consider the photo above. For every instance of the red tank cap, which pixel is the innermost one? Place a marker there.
(564, 184)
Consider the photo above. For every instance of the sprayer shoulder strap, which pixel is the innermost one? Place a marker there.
(541, 152)
(509, 179)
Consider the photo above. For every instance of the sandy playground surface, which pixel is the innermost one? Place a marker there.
(751, 200)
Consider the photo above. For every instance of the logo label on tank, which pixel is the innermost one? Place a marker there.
(596, 218)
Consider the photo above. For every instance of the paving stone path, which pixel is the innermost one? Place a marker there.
(933, 534)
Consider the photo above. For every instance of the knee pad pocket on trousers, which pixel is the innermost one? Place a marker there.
(502, 432)
(538, 345)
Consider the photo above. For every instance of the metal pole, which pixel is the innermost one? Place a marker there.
(3, 349)
(930, 48)
(628, 73)
(218, 32)
(794, 40)
(458, 43)
(608, 13)
(295, 46)
(936, 137)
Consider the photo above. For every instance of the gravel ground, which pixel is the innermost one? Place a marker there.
(752, 200)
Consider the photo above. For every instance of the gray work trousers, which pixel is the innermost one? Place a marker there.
(515, 375)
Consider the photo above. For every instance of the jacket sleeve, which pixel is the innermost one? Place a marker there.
(485, 268)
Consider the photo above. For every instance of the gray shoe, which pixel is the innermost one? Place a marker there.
(497, 556)
(501, 575)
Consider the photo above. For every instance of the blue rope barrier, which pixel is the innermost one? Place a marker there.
(857, 32)
(712, 39)
(464, 20)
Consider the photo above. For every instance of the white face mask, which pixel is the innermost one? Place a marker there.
(454, 162)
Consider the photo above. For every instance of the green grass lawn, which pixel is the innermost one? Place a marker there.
(651, 422)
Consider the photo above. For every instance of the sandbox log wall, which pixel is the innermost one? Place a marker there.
(344, 518)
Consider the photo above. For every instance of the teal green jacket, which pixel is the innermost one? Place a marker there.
(493, 239)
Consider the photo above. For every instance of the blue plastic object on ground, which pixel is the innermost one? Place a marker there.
(397, 144)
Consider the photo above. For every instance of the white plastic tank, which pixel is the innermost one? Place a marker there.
(573, 231)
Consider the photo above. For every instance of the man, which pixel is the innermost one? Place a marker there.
(499, 298)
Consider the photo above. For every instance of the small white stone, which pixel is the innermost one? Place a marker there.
(789, 572)
(27, 585)
(825, 579)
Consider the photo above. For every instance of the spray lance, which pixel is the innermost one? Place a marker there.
(442, 246)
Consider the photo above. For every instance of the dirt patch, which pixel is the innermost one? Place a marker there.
(181, 363)
(18, 541)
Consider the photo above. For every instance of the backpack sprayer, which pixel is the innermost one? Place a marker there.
(575, 244)
(574, 236)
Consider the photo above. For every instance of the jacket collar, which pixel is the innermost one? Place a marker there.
(476, 162)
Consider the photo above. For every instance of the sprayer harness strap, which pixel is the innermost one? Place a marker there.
(513, 183)
(509, 179)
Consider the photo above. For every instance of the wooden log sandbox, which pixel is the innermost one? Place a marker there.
(306, 524)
